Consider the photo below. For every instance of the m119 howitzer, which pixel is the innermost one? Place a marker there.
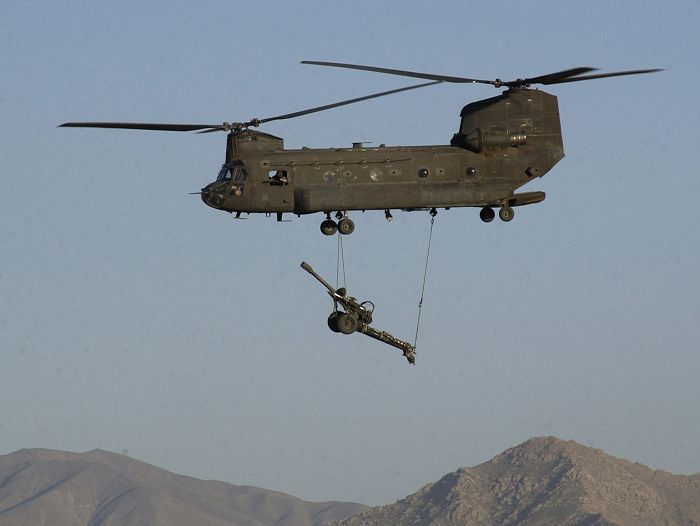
(357, 317)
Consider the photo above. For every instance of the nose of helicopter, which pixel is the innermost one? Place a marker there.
(211, 197)
(204, 194)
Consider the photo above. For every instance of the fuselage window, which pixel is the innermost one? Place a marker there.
(278, 177)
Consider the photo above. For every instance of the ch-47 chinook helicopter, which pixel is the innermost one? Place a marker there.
(503, 143)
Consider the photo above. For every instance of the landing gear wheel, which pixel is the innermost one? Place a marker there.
(506, 213)
(487, 214)
(346, 226)
(329, 227)
(346, 324)
(333, 321)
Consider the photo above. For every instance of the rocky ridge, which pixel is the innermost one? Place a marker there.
(547, 481)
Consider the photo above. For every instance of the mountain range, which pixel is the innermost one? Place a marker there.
(543, 481)
(98, 488)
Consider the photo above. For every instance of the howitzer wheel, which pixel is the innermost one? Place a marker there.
(346, 324)
(333, 321)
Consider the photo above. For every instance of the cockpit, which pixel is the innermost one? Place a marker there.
(234, 172)
(230, 182)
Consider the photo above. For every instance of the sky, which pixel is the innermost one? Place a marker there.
(135, 319)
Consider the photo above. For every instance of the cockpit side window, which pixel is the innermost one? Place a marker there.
(239, 175)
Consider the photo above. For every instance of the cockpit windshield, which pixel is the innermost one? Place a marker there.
(224, 173)
(235, 170)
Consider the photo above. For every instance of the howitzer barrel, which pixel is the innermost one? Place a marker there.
(311, 271)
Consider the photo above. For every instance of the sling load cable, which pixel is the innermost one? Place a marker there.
(341, 262)
(433, 213)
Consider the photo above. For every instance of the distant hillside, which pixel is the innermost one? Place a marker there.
(544, 481)
(42, 487)
(547, 481)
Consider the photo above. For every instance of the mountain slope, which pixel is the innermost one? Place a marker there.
(98, 488)
(540, 482)
(547, 481)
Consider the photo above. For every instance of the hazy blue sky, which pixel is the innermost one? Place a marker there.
(133, 318)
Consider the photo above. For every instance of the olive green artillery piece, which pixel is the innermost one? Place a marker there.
(357, 317)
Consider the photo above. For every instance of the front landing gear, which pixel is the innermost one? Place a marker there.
(329, 227)
(345, 225)
(506, 213)
(487, 214)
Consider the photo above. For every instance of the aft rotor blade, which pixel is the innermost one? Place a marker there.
(560, 77)
(344, 103)
(604, 75)
(401, 72)
(554, 78)
(144, 126)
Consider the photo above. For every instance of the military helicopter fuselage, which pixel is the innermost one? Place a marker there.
(503, 143)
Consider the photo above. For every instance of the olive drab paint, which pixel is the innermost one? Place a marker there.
(502, 144)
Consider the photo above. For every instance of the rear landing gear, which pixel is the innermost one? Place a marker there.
(506, 213)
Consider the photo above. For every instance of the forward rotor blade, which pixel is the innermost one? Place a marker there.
(604, 75)
(401, 72)
(213, 130)
(209, 128)
(343, 103)
(144, 126)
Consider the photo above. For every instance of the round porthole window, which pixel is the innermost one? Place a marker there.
(423, 173)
